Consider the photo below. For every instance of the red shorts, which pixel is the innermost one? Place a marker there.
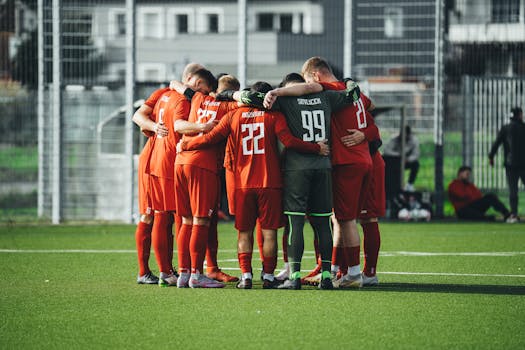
(162, 193)
(144, 200)
(262, 203)
(349, 185)
(230, 190)
(196, 191)
(375, 198)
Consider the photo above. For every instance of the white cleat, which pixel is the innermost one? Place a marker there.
(166, 280)
(204, 282)
(369, 281)
(283, 275)
(347, 281)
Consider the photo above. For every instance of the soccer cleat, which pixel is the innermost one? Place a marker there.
(166, 280)
(326, 284)
(182, 281)
(512, 219)
(291, 284)
(313, 277)
(148, 278)
(204, 282)
(267, 284)
(283, 275)
(245, 283)
(369, 280)
(347, 281)
(220, 276)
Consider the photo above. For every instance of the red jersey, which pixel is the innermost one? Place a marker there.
(205, 108)
(170, 107)
(462, 193)
(351, 117)
(254, 134)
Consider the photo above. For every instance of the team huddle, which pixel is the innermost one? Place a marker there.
(306, 150)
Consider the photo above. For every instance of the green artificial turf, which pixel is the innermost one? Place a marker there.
(74, 287)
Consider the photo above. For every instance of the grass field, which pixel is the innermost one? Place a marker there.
(442, 285)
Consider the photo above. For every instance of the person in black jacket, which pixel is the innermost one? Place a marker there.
(512, 136)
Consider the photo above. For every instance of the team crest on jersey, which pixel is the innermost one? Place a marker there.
(253, 114)
(164, 98)
(309, 101)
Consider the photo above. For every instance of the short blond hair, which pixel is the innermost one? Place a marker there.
(228, 82)
(316, 64)
(189, 70)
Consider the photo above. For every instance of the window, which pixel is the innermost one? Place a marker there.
(150, 21)
(181, 21)
(121, 24)
(213, 23)
(285, 23)
(505, 11)
(393, 22)
(265, 22)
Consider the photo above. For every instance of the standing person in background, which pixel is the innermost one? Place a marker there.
(512, 136)
(393, 149)
(468, 201)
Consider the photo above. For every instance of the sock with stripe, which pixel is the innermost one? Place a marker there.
(143, 244)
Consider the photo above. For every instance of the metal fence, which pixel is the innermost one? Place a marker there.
(72, 72)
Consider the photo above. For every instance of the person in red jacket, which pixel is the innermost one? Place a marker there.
(468, 201)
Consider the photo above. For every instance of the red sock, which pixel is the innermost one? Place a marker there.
(177, 224)
(183, 248)
(260, 239)
(143, 244)
(269, 264)
(352, 256)
(169, 232)
(198, 242)
(212, 247)
(337, 256)
(372, 243)
(245, 262)
(159, 239)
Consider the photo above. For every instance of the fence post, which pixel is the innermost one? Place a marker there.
(468, 121)
(40, 109)
(57, 117)
(348, 24)
(438, 110)
(242, 43)
(130, 98)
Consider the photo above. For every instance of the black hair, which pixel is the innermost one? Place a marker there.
(516, 111)
(463, 168)
(292, 78)
(261, 86)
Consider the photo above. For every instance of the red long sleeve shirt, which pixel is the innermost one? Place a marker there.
(462, 193)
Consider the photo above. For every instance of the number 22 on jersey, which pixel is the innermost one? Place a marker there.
(253, 138)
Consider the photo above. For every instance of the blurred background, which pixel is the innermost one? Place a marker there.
(72, 73)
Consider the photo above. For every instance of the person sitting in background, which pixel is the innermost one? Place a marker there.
(468, 201)
(393, 149)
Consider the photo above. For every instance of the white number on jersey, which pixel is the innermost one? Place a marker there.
(361, 114)
(256, 136)
(161, 120)
(314, 125)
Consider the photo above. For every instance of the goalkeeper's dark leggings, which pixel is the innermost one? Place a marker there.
(295, 244)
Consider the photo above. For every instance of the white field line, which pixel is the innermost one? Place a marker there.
(307, 254)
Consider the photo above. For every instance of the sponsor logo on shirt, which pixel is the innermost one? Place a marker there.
(211, 103)
(309, 102)
(253, 114)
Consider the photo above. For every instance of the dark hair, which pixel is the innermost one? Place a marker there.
(292, 78)
(463, 168)
(208, 77)
(516, 111)
(261, 86)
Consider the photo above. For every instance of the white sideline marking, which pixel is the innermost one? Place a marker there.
(307, 254)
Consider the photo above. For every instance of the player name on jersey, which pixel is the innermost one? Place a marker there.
(309, 102)
(253, 114)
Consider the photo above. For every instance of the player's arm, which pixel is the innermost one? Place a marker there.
(182, 89)
(219, 133)
(495, 146)
(299, 89)
(185, 127)
(289, 141)
(148, 127)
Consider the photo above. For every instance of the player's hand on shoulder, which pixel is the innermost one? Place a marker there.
(353, 88)
(324, 148)
(225, 95)
(269, 99)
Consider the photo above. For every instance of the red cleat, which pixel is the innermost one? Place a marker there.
(311, 279)
(220, 276)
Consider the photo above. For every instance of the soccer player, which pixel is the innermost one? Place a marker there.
(258, 186)
(146, 120)
(197, 195)
(225, 82)
(307, 178)
(159, 166)
(351, 170)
